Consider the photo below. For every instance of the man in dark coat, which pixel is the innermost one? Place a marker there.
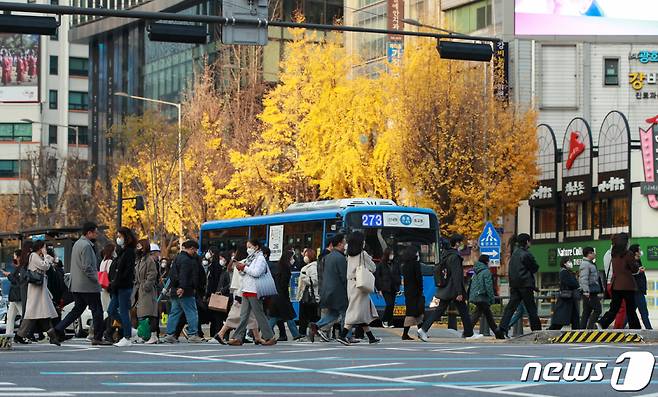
(453, 291)
(333, 295)
(522, 269)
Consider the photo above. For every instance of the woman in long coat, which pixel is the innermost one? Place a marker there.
(145, 291)
(39, 308)
(280, 308)
(360, 310)
(566, 308)
(413, 291)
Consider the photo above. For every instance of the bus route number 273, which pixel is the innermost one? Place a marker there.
(372, 220)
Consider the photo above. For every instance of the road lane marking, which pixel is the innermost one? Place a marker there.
(370, 390)
(365, 366)
(437, 374)
(310, 350)
(239, 355)
(295, 360)
(519, 355)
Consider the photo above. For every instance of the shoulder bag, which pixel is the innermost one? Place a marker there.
(33, 276)
(265, 285)
(365, 280)
(308, 296)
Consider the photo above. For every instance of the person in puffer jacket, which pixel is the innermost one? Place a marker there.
(481, 293)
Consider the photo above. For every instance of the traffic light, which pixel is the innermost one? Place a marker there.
(465, 51)
(177, 33)
(255, 10)
(139, 203)
(46, 26)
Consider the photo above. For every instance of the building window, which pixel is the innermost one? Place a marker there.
(471, 17)
(611, 71)
(53, 64)
(8, 168)
(15, 131)
(545, 222)
(78, 67)
(577, 219)
(52, 99)
(612, 213)
(52, 135)
(83, 135)
(55, 37)
(78, 100)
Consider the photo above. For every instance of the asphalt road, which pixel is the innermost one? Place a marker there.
(392, 368)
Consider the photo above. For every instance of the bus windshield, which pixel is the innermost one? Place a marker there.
(405, 230)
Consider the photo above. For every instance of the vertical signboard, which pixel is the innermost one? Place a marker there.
(395, 15)
(649, 145)
(501, 70)
(275, 242)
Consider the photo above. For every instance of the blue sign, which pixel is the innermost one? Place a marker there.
(372, 220)
(394, 52)
(489, 242)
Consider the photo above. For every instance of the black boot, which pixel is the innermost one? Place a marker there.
(405, 334)
(342, 338)
(372, 339)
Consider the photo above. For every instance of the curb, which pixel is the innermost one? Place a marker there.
(588, 336)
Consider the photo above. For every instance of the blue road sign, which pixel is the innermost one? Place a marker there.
(489, 242)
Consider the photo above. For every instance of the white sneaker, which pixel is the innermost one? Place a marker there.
(124, 342)
(154, 339)
(475, 336)
(422, 335)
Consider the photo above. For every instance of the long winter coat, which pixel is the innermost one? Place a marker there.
(333, 289)
(39, 300)
(565, 307)
(623, 269)
(122, 270)
(387, 277)
(522, 269)
(280, 305)
(413, 289)
(145, 291)
(18, 286)
(455, 286)
(84, 273)
(481, 290)
(360, 310)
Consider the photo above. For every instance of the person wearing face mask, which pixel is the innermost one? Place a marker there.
(566, 308)
(18, 283)
(39, 308)
(215, 270)
(591, 286)
(307, 291)
(122, 279)
(280, 308)
(84, 286)
(453, 291)
(387, 283)
(641, 282)
(145, 291)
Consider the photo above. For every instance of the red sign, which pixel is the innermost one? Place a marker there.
(649, 145)
(576, 148)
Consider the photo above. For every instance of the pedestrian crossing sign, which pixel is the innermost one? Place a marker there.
(489, 243)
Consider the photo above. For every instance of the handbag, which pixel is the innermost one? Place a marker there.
(144, 329)
(365, 280)
(566, 294)
(34, 277)
(265, 285)
(308, 296)
(104, 280)
(218, 303)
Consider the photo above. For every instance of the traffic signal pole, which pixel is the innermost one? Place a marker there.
(258, 23)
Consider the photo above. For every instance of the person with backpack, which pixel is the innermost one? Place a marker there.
(481, 293)
(449, 279)
(307, 293)
(591, 287)
(84, 286)
(522, 269)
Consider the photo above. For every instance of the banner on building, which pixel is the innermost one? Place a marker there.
(20, 64)
(577, 164)
(649, 145)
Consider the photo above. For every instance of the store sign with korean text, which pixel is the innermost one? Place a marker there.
(577, 188)
(642, 80)
(644, 56)
(395, 16)
(613, 184)
(544, 194)
(649, 146)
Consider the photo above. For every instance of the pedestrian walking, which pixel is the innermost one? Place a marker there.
(568, 299)
(360, 310)
(624, 265)
(145, 289)
(591, 287)
(481, 293)
(449, 277)
(620, 319)
(122, 280)
(641, 282)
(215, 271)
(254, 268)
(84, 286)
(414, 298)
(307, 293)
(280, 307)
(184, 276)
(387, 282)
(522, 269)
(39, 309)
(108, 254)
(17, 288)
(333, 288)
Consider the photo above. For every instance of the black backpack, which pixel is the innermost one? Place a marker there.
(441, 273)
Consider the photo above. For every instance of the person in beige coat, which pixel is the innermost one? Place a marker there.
(39, 309)
(360, 310)
(145, 290)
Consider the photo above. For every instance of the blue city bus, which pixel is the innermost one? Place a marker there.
(313, 224)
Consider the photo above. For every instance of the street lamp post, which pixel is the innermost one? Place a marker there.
(180, 151)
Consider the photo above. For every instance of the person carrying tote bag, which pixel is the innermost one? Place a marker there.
(365, 279)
